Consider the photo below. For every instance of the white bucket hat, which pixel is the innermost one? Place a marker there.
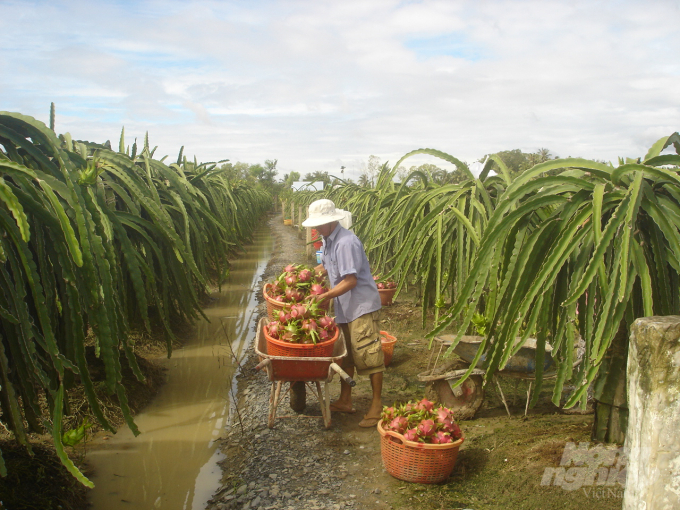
(322, 212)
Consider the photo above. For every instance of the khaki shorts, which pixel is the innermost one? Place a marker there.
(364, 349)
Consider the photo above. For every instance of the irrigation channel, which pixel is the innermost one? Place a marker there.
(172, 464)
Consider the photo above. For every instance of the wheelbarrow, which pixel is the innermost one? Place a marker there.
(468, 397)
(300, 373)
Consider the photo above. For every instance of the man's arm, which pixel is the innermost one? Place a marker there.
(345, 285)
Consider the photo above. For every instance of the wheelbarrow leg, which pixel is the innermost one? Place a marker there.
(498, 384)
(325, 403)
(526, 408)
(273, 402)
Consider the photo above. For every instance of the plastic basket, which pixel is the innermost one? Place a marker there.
(288, 222)
(282, 348)
(387, 341)
(417, 462)
(273, 306)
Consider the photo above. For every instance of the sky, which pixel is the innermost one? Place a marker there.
(324, 84)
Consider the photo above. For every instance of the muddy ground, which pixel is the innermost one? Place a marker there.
(298, 464)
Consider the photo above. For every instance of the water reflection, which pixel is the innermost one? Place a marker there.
(172, 464)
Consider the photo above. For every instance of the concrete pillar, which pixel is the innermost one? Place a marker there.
(292, 212)
(652, 443)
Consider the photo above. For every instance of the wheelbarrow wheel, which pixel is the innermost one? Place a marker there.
(465, 400)
(298, 396)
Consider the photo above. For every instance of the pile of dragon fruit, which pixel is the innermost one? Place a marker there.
(296, 283)
(305, 323)
(422, 422)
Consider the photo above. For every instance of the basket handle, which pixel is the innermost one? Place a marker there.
(395, 435)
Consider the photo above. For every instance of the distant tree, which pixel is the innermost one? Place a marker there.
(518, 161)
(237, 172)
(289, 179)
(365, 181)
(402, 173)
(434, 174)
(318, 176)
(265, 174)
(373, 168)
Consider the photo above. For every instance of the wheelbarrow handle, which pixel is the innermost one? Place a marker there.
(263, 363)
(345, 377)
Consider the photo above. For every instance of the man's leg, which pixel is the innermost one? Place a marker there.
(376, 403)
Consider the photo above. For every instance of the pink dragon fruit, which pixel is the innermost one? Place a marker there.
(444, 414)
(309, 325)
(326, 322)
(388, 414)
(399, 424)
(317, 289)
(273, 329)
(305, 276)
(421, 422)
(424, 405)
(426, 428)
(441, 437)
(411, 435)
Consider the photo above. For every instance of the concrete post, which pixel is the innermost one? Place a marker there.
(292, 213)
(653, 472)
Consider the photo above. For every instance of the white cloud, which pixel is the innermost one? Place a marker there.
(323, 84)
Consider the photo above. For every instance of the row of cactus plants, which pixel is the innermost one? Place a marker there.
(98, 242)
(570, 249)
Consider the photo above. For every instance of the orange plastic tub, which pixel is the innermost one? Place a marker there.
(295, 370)
(387, 342)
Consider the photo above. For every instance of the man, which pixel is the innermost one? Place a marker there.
(356, 302)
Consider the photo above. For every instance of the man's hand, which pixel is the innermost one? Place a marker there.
(345, 285)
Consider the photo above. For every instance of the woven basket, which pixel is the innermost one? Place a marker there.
(387, 341)
(273, 306)
(417, 462)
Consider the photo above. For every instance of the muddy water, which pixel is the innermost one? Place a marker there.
(172, 464)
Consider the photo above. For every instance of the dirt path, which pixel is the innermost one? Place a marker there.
(299, 465)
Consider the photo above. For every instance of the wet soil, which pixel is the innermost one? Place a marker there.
(298, 464)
